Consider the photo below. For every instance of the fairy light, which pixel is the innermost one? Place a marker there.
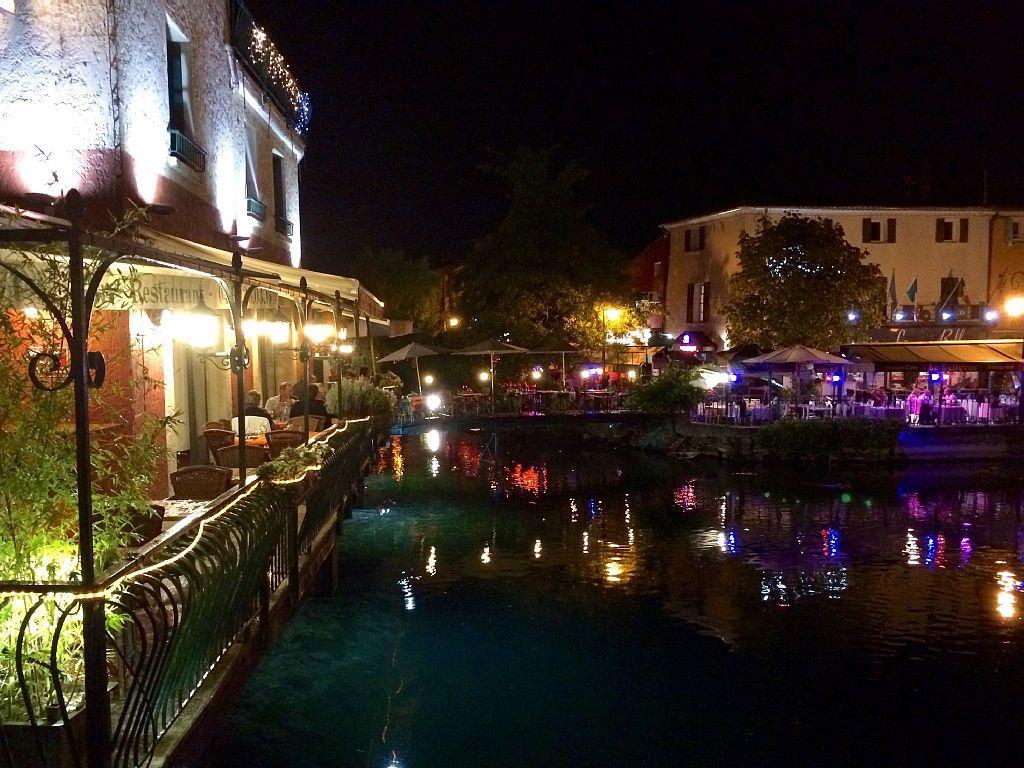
(275, 69)
(117, 584)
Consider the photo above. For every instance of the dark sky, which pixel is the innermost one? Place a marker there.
(675, 108)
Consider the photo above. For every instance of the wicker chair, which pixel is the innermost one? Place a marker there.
(316, 423)
(217, 439)
(279, 439)
(201, 483)
(254, 456)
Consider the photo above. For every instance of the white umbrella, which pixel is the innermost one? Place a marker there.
(492, 347)
(413, 351)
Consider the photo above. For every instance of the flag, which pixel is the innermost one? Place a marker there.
(892, 289)
(912, 292)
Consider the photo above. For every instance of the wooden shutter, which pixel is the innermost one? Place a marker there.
(963, 230)
(890, 230)
(865, 230)
(689, 302)
(687, 239)
(700, 239)
(940, 226)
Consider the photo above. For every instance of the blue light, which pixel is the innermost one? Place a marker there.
(991, 315)
(934, 376)
(852, 316)
(947, 315)
(686, 338)
(734, 377)
(899, 317)
(836, 378)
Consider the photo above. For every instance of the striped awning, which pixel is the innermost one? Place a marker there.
(954, 355)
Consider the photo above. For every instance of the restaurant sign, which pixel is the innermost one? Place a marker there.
(932, 332)
(184, 292)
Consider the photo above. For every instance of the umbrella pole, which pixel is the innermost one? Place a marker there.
(419, 381)
(796, 387)
(563, 371)
(492, 380)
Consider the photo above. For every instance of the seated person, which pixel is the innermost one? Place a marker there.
(279, 405)
(316, 406)
(257, 420)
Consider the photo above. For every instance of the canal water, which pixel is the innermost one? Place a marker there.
(513, 604)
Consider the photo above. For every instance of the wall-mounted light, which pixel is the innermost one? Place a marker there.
(991, 316)
(428, 379)
(484, 376)
(199, 327)
(318, 333)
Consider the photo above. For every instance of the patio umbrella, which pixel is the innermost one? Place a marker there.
(492, 347)
(556, 346)
(413, 351)
(796, 355)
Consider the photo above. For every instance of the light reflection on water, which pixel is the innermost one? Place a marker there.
(719, 548)
(524, 605)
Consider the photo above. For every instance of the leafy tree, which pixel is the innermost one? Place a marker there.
(406, 285)
(676, 391)
(797, 282)
(545, 269)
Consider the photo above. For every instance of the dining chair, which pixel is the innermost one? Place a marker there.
(279, 439)
(316, 423)
(229, 456)
(201, 482)
(218, 438)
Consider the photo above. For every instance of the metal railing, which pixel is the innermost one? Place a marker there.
(186, 150)
(284, 226)
(173, 613)
(255, 208)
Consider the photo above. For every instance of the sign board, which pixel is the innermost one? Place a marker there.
(7, 5)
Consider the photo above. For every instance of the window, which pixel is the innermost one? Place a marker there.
(281, 222)
(657, 269)
(950, 291)
(943, 230)
(178, 81)
(871, 231)
(705, 303)
(693, 239)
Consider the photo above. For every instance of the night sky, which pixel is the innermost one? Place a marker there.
(675, 108)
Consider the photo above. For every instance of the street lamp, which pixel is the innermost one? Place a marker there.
(454, 322)
(608, 315)
(428, 379)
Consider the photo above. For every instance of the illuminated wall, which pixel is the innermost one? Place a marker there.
(61, 127)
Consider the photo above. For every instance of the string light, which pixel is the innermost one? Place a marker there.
(265, 56)
(117, 584)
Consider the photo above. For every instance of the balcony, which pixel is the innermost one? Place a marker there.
(282, 225)
(186, 150)
(255, 208)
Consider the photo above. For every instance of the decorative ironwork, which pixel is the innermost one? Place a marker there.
(186, 150)
(282, 225)
(179, 607)
(255, 208)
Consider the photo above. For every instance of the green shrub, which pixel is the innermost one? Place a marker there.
(819, 440)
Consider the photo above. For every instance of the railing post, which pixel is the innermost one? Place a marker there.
(293, 553)
(264, 606)
(97, 717)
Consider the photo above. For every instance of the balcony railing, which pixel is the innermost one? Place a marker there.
(255, 208)
(282, 225)
(184, 601)
(186, 150)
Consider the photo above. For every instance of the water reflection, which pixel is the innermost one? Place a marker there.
(712, 545)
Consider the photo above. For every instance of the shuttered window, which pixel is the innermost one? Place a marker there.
(963, 230)
(890, 230)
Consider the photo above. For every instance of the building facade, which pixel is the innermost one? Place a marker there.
(185, 108)
(951, 268)
(183, 103)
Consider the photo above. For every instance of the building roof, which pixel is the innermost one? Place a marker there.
(840, 210)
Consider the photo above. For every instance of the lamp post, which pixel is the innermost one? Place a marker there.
(608, 314)
(1014, 307)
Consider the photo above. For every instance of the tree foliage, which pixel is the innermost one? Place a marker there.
(406, 285)
(677, 390)
(798, 279)
(545, 269)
